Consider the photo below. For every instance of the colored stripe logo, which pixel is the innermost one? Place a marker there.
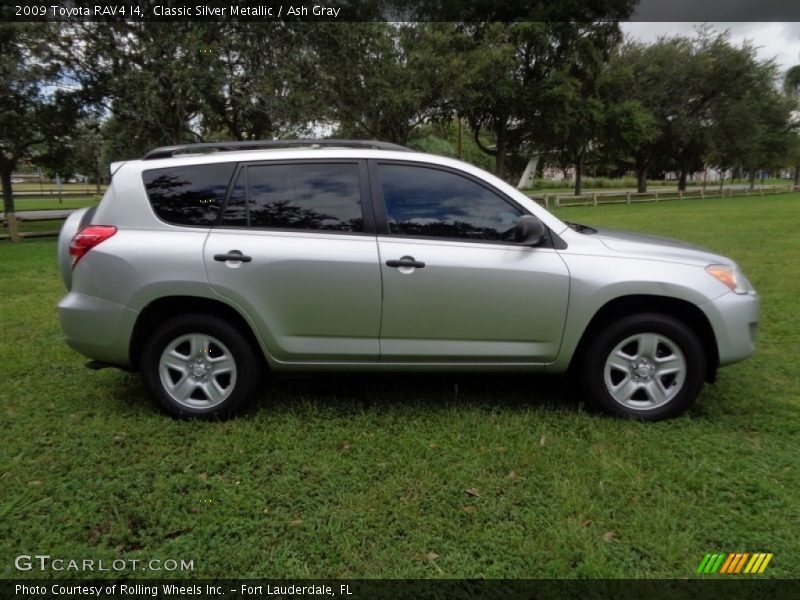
(735, 563)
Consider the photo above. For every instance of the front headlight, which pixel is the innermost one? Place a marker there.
(731, 277)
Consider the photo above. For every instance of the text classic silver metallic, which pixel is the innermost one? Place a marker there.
(207, 266)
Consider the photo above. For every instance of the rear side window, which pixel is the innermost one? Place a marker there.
(190, 195)
(297, 196)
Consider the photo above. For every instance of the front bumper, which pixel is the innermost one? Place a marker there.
(734, 319)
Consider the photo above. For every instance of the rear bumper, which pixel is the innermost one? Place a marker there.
(97, 328)
(734, 319)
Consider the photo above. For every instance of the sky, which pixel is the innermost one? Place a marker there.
(780, 41)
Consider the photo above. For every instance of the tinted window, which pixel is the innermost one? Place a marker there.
(190, 195)
(236, 209)
(307, 196)
(430, 202)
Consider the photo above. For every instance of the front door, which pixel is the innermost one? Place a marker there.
(456, 288)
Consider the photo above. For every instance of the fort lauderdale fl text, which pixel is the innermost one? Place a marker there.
(125, 589)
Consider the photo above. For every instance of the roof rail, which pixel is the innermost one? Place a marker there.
(168, 151)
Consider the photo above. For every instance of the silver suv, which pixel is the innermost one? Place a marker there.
(209, 265)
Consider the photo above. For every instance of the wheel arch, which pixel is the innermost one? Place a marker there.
(162, 309)
(686, 312)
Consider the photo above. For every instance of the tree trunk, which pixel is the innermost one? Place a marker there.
(721, 180)
(6, 168)
(641, 180)
(578, 173)
(797, 175)
(682, 179)
(500, 157)
(752, 179)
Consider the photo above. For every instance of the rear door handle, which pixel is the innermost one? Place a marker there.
(232, 255)
(406, 261)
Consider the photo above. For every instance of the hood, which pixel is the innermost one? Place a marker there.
(653, 246)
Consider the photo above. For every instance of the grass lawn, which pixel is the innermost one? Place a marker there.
(27, 226)
(366, 476)
(21, 204)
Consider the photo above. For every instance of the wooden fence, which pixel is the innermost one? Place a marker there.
(559, 200)
(24, 234)
(597, 198)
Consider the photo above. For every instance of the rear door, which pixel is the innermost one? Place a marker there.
(296, 250)
(456, 288)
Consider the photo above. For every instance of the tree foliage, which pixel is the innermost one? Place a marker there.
(36, 114)
(562, 85)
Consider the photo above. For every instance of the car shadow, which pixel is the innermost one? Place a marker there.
(353, 392)
(343, 394)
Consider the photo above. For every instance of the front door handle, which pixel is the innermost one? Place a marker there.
(232, 255)
(406, 261)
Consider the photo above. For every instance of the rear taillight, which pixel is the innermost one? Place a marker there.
(87, 238)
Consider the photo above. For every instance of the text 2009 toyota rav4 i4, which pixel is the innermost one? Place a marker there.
(206, 266)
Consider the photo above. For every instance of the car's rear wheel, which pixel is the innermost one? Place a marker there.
(199, 366)
(648, 366)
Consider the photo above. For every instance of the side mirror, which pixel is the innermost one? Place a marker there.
(529, 231)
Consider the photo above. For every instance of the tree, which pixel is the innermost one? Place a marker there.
(390, 83)
(80, 152)
(35, 113)
(516, 74)
(791, 86)
(680, 101)
(152, 78)
(715, 76)
(573, 110)
(754, 131)
(265, 82)
(637, 87)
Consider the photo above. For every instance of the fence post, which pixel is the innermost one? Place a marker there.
(762, 190)
(655, 195)
(680, 194)
(545, 201)
(628, 197)
(558, 201)
(702, 194)
(594, 198)
(13, 227)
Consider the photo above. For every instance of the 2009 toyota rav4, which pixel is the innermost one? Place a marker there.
(206, 266)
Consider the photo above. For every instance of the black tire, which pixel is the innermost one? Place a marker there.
(236, 387)
(668, 334)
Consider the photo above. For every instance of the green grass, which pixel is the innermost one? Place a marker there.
(366, 476)
(28, 226)
(21, 204)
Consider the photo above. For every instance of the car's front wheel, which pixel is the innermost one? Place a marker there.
(199, 366)
(648, 366)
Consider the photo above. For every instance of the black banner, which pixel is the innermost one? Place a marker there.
(400, 10)
(730, 588)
